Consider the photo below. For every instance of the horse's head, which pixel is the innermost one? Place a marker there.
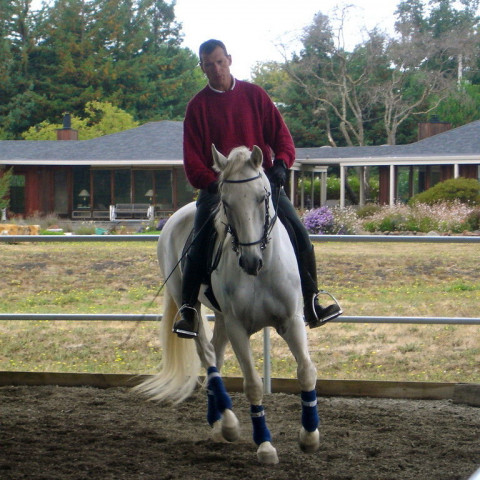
(246, 205)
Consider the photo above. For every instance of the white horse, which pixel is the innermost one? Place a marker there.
(256, 284)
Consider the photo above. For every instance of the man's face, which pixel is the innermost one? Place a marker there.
(216, 66)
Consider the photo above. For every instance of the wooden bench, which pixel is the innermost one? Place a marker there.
(84, 213)
(131, 211)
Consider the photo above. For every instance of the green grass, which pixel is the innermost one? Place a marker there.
(371, 279)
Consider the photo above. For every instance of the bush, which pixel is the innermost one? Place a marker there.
(87, 228)
(338, 221)
(318, 221)
(333, 186)
(464, 190)
(368, 210)
(345, 221)
(473, 220)
(442, 217)
(161, 223)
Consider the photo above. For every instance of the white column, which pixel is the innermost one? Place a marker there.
(302, 193)
(342, 186)
(392, 185)
(312, 191)
(292, 184)
(362, 186)
(323, 188)
(456, 170)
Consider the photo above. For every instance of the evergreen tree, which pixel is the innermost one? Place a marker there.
(5, 178)
(72, 52)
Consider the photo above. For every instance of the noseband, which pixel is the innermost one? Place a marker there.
(267, 225)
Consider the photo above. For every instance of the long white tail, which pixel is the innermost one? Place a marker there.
(180, 365)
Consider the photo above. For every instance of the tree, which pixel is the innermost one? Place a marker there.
(72, 52)
(337, 80)
(461, 106)
(365, 96)
(428, 58)
(5, 178)
(99, 119)
(406, 91)
(452, 32)
(18, 36)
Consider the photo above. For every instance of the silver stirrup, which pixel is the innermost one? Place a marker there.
(186, 333)
(329, 317)
(324, 292)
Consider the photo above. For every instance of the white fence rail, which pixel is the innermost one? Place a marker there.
(317, 238)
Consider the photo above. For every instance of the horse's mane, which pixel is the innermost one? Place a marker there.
(237, 159)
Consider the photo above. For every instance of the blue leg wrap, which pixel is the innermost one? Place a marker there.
(309, 411)
(217, 388)
(260, 431)
(212, 411)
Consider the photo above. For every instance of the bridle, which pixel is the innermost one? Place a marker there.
(267, 225)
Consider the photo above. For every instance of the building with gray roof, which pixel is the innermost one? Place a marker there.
(82, 178)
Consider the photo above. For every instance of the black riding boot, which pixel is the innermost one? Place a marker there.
(187, 325)
(196, 265)
(315, 314)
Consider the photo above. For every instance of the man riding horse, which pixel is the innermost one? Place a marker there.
(229, 113)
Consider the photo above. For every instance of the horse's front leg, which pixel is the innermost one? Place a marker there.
(296, 338)
(253, 387)
(224, 423)
(220, 415)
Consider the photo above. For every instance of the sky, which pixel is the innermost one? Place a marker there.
(254, 30)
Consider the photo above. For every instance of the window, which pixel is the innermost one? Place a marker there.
(81, 187)
(17, 194)
(163, 189)
(101, 189)
(186, 192)
(143, 184)
(122, 187)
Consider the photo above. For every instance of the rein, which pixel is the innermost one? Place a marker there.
(268, 223)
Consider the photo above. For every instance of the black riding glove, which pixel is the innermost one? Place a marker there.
(278, 173)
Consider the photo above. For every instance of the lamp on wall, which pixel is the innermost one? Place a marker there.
(84, 195)
(149, 194)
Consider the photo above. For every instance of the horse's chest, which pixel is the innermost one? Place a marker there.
(251, 298)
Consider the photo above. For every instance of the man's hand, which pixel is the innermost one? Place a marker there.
(277, 174)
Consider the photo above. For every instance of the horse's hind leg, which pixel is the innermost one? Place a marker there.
(253, 387)
(296, 338)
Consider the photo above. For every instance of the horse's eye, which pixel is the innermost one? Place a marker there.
(261, 199)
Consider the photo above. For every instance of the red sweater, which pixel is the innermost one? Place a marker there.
(242, 116)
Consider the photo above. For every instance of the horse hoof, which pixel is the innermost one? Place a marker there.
(230, 426)
(267, 454)
(217, 436)
(309, 441)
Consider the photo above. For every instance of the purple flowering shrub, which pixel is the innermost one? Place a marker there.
(334, 221)
(318, 221)
(161, 223)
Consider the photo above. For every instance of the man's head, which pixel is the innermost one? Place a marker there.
(215, 63)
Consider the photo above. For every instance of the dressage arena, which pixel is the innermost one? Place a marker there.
(51, 432)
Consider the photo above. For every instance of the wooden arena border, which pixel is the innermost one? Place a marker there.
(468, 393)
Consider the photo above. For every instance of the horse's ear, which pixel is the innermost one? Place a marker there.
(219, 160)
(257, 157)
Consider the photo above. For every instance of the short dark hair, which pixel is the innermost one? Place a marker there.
(206, 48)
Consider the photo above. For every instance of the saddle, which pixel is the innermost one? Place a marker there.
(213, 258)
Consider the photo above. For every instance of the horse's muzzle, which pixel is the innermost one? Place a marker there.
(250, 264)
